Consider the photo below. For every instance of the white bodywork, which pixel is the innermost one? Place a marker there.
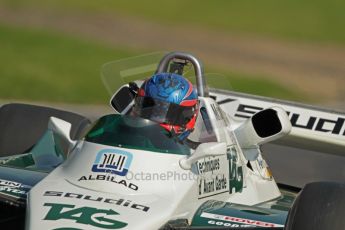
(312, 128)
(156, 188)
(148, 188)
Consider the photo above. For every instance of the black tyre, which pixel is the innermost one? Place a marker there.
(12, 217)
(320, 205)
(22, 125)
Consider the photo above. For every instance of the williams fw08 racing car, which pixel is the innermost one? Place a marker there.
(60, 171)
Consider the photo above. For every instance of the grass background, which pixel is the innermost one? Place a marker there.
(41, 65)
(299, 20)
(46, 66)
(50, 66)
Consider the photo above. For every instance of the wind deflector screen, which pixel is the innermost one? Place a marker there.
(134, 133)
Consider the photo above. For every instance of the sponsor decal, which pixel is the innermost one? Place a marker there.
(235, 170)
(220, 114)
(13, 190)
(208, 166)
(242, 221)
(228, 224)
(112, 161)
(109, 178)
(216, 184)
(334, 125)
(10, 184)
(100, 199)
(101, 218)
(216, 111)
(212, 181)
(263, 168)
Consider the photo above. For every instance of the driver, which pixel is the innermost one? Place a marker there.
(170, 100)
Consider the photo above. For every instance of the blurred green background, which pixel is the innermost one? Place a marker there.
(52, 51)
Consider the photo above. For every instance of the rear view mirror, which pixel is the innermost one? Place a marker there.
(123, 99)
(264, 126)
(62, 129)
(203, 150)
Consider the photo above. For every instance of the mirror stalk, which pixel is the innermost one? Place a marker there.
(62, 129)
(204, 150)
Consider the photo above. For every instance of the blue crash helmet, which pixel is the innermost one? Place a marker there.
(170, 100)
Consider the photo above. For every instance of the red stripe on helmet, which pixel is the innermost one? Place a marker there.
(141, 92)
(190, 125)
(189, 102)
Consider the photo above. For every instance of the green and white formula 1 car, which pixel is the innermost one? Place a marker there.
(57, 171)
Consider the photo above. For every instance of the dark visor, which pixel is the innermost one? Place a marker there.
(162, 112)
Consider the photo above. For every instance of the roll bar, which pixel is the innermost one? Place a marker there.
(198, 69)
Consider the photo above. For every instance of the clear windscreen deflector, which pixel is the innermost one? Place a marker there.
(135, 133)
(120, 73)
(115, 74)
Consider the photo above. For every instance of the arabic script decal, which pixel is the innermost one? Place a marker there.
(113, 161)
